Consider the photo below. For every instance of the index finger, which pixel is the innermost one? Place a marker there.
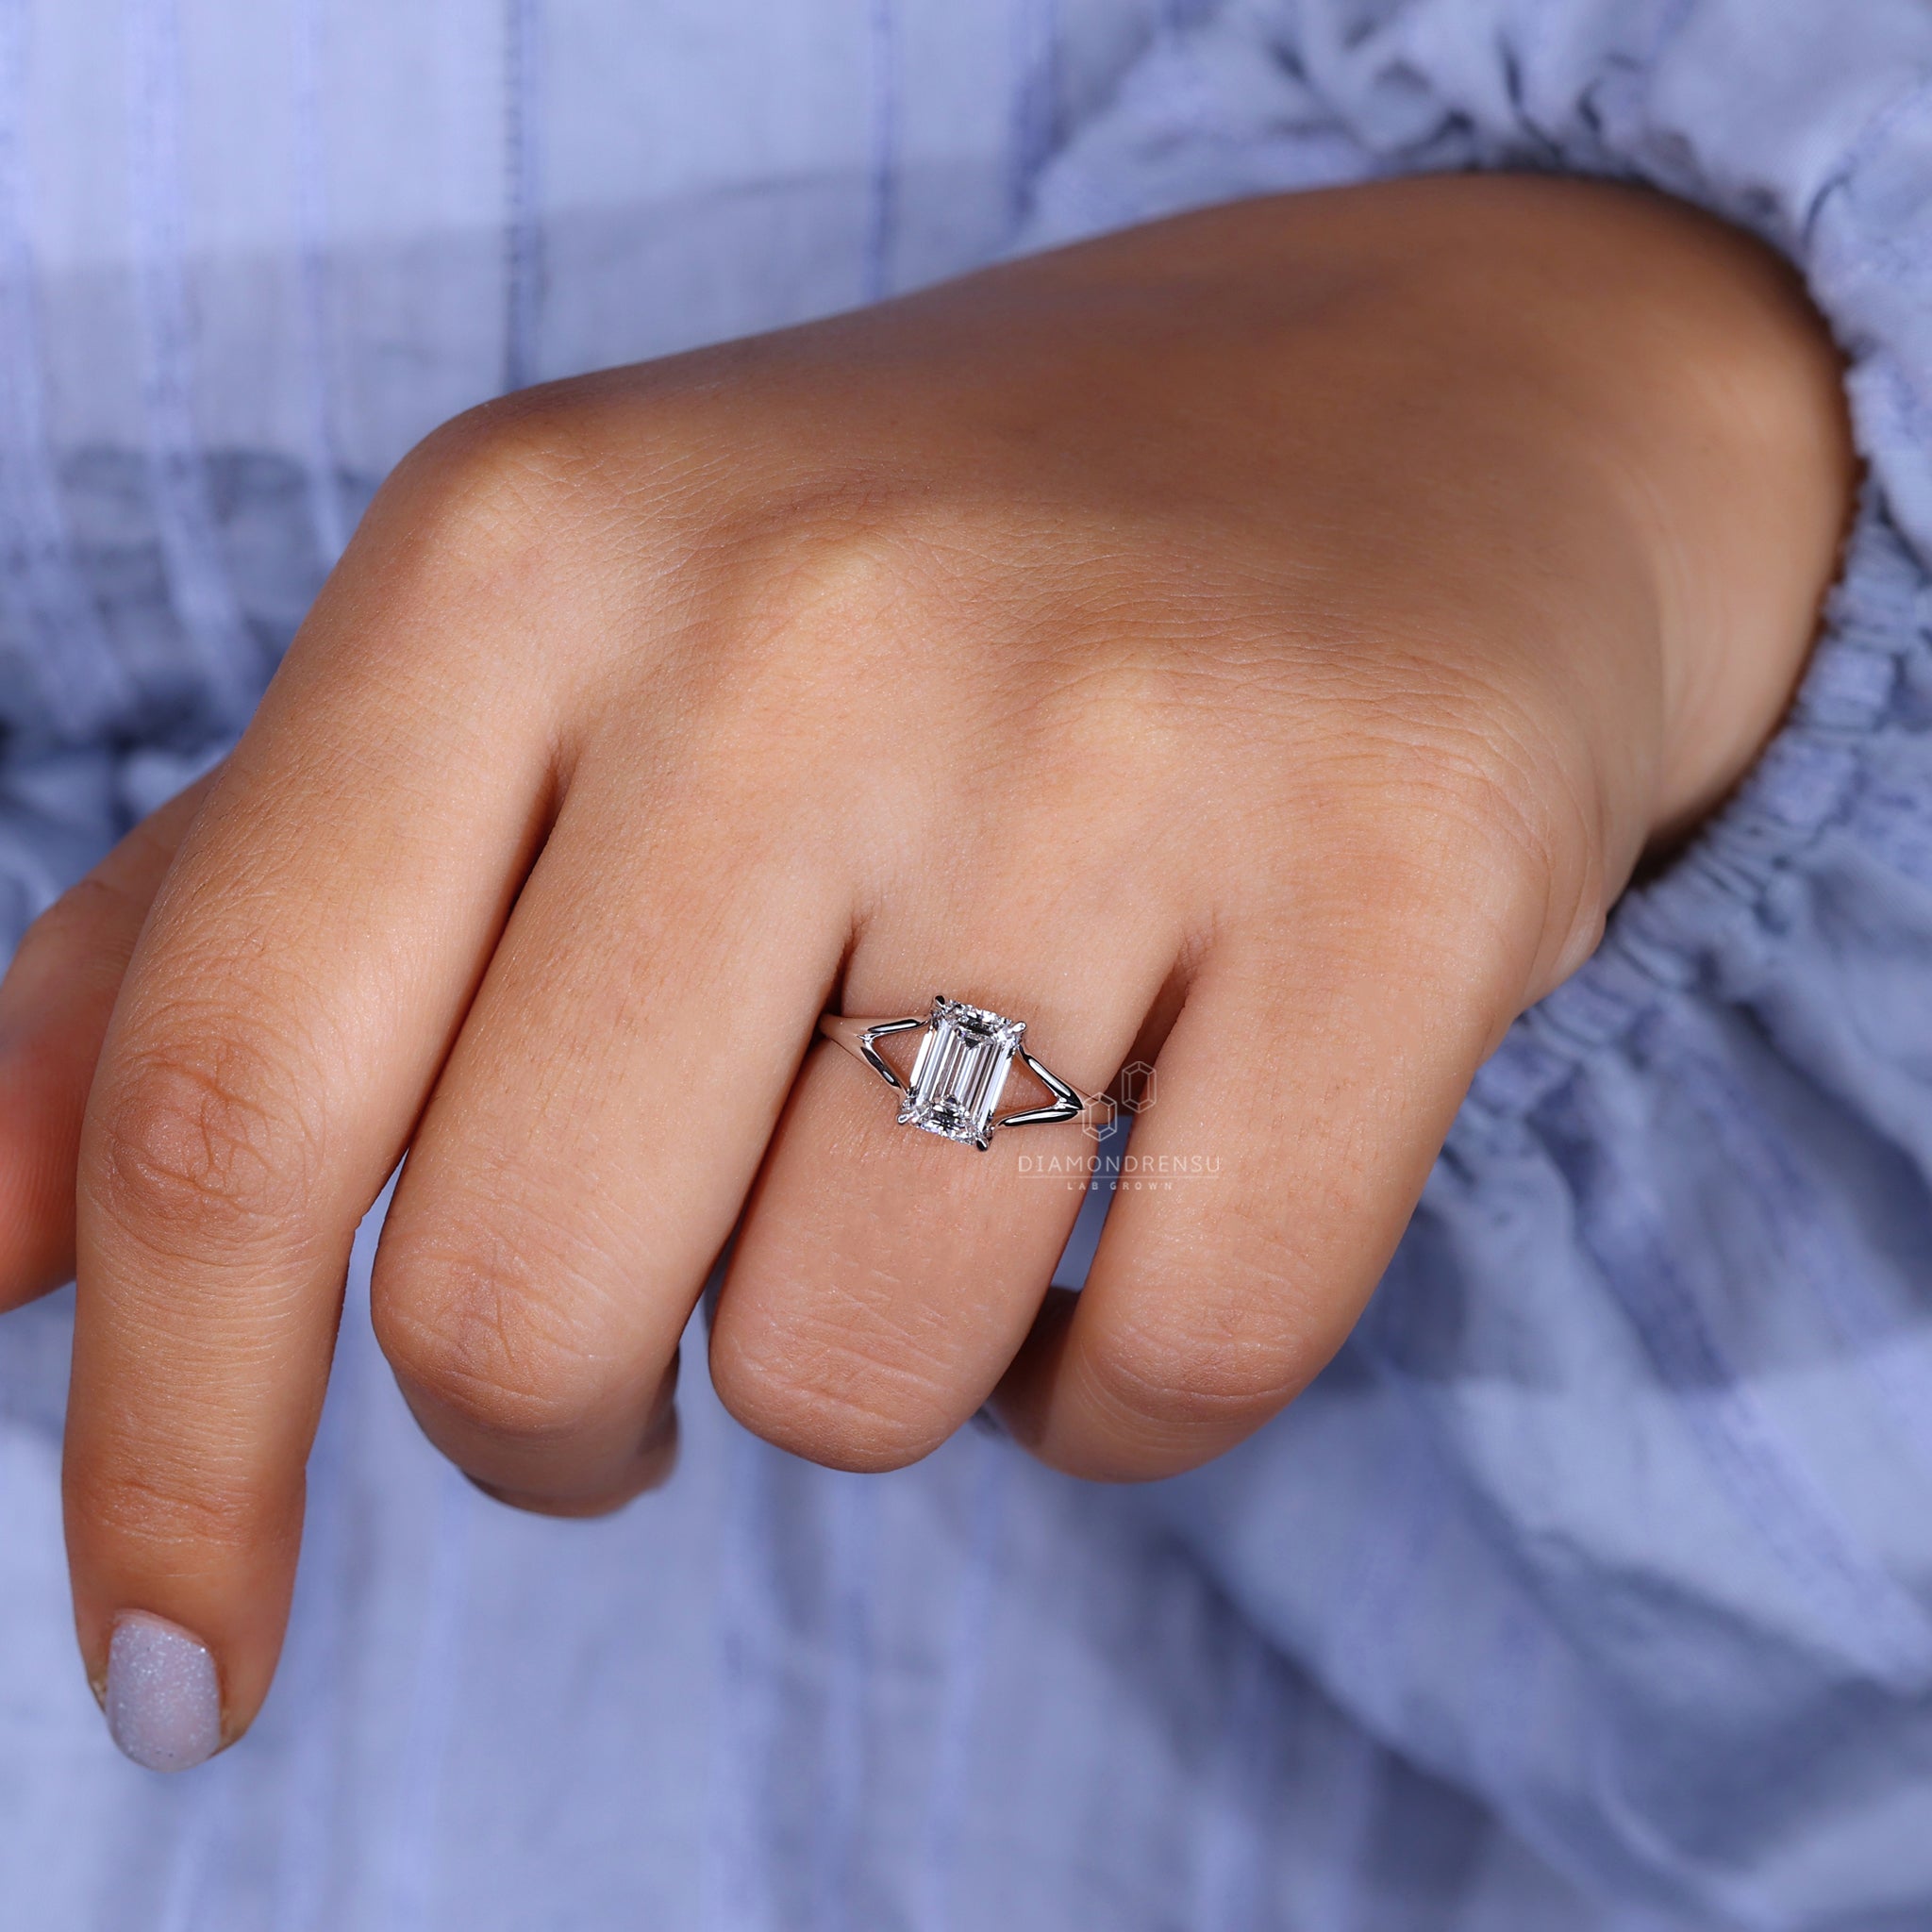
(304, 967)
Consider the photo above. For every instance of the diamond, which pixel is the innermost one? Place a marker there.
(962, 1066)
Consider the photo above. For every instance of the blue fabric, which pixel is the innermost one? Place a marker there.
(1593, 1586)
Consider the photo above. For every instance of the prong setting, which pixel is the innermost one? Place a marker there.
(960, 1072)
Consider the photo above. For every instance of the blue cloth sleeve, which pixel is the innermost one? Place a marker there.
(1617, 1511)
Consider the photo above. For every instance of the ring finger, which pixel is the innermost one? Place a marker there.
(885, 1276)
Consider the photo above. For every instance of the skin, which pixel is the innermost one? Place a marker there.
(1265, 642)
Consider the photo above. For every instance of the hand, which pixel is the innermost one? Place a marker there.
(1267, 640)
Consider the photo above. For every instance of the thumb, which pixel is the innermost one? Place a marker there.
(55, 1003)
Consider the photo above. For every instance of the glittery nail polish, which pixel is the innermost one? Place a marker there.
(164, 1696)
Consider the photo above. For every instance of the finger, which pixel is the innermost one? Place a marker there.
(593, 1137)
(1299, 1103)
(54, 1006)
(646, 1458)
(304, 967)
(883, 1276)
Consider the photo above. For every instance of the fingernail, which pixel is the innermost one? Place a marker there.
(164, 1699)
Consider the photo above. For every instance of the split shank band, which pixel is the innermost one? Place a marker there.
(964, 1057)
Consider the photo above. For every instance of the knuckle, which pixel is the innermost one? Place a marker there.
(837, 1406)
(485, 1346)
(820, 594)
(1487, 782)
(498, 464)
(207, 1145)
(1180, 1384)
(507, 512)
(168, 1509)
(493, 505)
(78, 936)
(73, 917)
(650, 1469)
(832, 564)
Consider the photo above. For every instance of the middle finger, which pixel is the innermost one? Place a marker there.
(586, 1150)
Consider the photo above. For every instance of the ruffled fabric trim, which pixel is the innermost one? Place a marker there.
(1699, 926)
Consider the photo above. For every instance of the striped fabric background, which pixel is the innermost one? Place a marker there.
(1612, 1522)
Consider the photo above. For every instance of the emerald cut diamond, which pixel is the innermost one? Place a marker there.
(962, 1066)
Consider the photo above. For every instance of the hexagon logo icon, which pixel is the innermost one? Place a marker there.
(1136, 1086)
